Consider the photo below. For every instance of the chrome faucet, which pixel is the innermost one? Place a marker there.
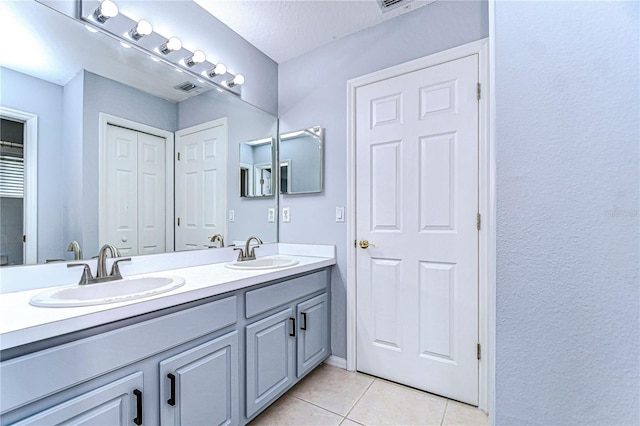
(101, 269)
(246, 254)
(217, 237)
(74, 246)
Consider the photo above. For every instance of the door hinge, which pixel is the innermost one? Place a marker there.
(355, 243)
(178, 156)
(178, 221)
(478, 220)
(478, 351)
(24, 238)
(479, 91)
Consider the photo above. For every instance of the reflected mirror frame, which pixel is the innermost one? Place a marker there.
(250, 194)
(316, 131)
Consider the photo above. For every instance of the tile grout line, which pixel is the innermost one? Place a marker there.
(319, 406)
(359, 398)
(444, 413)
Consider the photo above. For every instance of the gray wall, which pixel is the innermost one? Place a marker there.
(567, 192)
(29, 94)
(312, 91)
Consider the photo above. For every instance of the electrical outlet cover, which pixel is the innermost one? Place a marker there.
(286, 215)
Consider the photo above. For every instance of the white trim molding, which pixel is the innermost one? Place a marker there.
(336, 361)
(486, 181)
(30, 156)
(106, 119)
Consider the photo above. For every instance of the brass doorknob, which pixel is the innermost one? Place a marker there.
(364, 244)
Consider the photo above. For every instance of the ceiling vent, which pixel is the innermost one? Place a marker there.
(389, 5)
(187, 87)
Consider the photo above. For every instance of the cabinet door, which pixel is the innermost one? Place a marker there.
(117, 403)
(313, 338)
(270, 352)
(200, 386)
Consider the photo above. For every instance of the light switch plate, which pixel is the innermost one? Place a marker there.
(286, 215)
(232, 215)
(271, 216)
(339, 214)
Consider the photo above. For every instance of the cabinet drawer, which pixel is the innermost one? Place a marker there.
(22, 377)
(267, 298)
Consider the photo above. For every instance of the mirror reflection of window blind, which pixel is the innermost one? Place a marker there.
(11, 177)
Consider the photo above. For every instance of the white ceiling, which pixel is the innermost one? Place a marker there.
(284, 29)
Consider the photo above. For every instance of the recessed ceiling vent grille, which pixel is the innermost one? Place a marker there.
(187, 86)
(388, 5)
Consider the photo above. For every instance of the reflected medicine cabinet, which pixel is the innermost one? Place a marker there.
(301, 161)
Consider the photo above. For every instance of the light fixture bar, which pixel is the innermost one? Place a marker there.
(142, 28)
(108, 9)
(237, 80)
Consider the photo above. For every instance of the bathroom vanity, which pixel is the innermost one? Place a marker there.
(201, 354)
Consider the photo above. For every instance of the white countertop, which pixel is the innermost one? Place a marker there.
(22, 323)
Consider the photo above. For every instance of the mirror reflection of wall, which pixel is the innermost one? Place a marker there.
(301, 161)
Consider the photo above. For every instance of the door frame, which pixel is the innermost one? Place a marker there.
(30, 200)
(486, 207)
(107, 119)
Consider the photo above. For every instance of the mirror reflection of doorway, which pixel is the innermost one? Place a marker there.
(263, 179)
(11, 192)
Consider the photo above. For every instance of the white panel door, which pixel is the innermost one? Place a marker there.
(122, 189)
(151, 194)
(417, 201)
(135, 191)
(201, 184)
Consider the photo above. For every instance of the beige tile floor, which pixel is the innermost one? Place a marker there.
(333, 396)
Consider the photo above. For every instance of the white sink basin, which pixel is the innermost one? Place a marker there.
(108, 292)
(262, 263)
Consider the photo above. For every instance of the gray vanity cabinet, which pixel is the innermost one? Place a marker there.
(290, 341)
(270, 352)
(313, 341)
(200, 386)
(116, 403)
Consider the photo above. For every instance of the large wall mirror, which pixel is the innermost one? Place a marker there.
(111, 124)
(301, 161)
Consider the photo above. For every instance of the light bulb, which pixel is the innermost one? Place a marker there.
(171, 45)
(142, 29)
(236, 81)
(219, 69)
(106, 10)
(198, 57)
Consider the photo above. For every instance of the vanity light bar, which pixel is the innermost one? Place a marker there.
(97, 20)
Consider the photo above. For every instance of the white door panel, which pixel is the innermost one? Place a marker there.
(417, 200)
(201, 184)
(122, 189)
(151, 190)
(135, 191)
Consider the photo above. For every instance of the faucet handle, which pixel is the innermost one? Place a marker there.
(86, 273)
(252, 253)
(241, 255)
(115, 269)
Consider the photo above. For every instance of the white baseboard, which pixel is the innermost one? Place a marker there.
(336, 362)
